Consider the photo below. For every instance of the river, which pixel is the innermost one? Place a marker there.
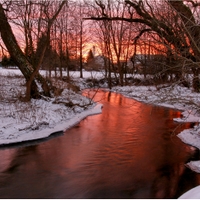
(129, 151)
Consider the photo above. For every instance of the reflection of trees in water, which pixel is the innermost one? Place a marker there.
(20, 158)
(114, 98)
(188, 180)
(132, 164)
(165, 185)
(174, 179)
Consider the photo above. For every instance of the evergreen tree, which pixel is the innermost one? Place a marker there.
(90, 56)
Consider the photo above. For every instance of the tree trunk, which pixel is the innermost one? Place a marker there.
(192, 29)
(20, 59)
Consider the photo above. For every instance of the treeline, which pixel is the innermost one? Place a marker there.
(160, 38)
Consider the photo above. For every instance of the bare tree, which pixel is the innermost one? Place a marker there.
(29, 69)
(179, 35)
(71, 36)
(191, 28)
(116, 36)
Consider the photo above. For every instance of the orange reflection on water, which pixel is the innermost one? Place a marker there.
(128, 151)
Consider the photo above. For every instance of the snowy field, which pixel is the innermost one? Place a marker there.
(39, 119)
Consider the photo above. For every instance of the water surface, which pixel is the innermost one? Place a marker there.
(129, 151)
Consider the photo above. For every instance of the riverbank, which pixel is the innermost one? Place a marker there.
(20, 121)
(40, 118)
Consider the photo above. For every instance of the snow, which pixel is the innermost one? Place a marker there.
(40, 118)
(191, 194)
(20, 121)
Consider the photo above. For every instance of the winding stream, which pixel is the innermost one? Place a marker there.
(129, 151)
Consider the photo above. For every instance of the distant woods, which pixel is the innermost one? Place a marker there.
(158, 39)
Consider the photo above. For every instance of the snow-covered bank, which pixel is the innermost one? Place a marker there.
(21, 136)
(191, 194)
(20, 121)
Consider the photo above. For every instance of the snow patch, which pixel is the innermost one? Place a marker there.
(194, 165)
(191, 194)
(17, 137)
(191, 137)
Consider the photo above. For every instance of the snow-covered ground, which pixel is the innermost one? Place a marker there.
(194, 193)
(20, 121)
(39, 118)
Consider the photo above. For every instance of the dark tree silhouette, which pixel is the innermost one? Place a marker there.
(34, 80)
(184, 41)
